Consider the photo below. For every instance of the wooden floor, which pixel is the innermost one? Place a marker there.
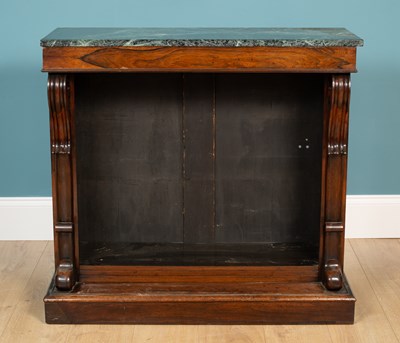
(372, 267)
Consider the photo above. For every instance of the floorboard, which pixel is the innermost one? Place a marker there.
(371, 324)
(380, 259)
(27, 321)
(17, 263)
(371, 266)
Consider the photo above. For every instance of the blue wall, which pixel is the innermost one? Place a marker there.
(374, 163)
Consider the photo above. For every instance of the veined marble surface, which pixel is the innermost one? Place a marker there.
(211, 37)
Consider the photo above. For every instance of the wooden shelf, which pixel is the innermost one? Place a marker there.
(184, 254)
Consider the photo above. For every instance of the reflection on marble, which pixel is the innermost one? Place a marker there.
(211, 37)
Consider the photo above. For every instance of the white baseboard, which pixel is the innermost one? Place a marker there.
(373, 216)
(26, 218)
(367, 216)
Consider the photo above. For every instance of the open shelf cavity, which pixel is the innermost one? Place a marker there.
(199, 169)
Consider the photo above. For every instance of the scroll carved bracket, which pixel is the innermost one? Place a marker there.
(339, 115)
(60, 97)
(60, 116)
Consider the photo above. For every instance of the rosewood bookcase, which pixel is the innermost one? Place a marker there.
(199, 175)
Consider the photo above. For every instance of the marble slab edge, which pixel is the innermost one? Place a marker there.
(201, 37)
(199, 43)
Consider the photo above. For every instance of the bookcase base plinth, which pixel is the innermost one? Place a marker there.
(200, 303)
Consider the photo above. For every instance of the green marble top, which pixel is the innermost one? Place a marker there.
(212, 37)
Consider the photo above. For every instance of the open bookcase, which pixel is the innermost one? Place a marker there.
(199, 181)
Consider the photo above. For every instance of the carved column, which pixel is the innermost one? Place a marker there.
(61, 102)
(337, 96)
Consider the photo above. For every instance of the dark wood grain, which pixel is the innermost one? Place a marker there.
(268, 165)
(251, 174)
(336, 311)
(337, 99)
(186, 254)
(61, 107)
(256, 303)
(195, 291)
(210, 184)
(203, 59)
(198, 274)
(129, 157)
(199, 159)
